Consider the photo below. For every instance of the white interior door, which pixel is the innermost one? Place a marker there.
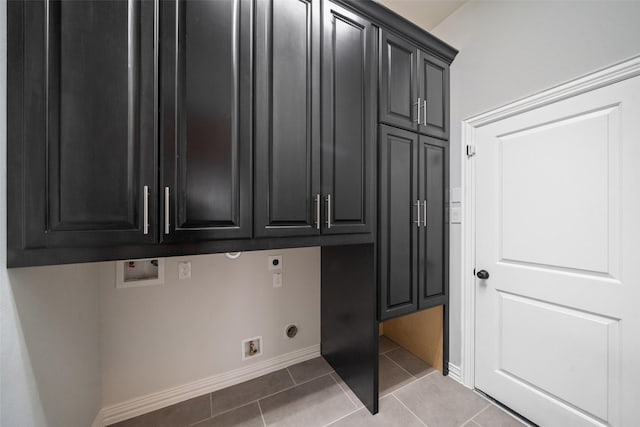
(558, 231)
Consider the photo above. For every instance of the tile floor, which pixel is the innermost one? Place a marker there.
(310, 394)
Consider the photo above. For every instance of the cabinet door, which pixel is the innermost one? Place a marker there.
(287, 136)
(349, 86)
(433, 76)
(433, 184)
(398, 235)
(398, 82)
(206, 120)
(87, 165)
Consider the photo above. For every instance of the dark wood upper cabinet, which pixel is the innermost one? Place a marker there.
(432, 238)
(414, 88)
(398, 82)
(398, 231)
(349, 89)
(287, 125)
(206, 119)
(82, 124)
(433, 91)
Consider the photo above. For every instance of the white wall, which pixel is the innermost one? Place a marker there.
(49, 329)
(158, 337)
(511, 49)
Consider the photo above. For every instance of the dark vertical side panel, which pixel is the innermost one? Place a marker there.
(349, 128)
(89, 111)
(434, 88)
(349, 328)
(398, 238)
(398, 83)
(287, 117)
(206, 119)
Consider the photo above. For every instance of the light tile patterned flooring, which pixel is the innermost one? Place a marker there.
(310, 394)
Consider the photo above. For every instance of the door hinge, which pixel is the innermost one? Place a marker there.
(471, 150)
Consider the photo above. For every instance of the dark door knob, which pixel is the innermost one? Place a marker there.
(483, 274)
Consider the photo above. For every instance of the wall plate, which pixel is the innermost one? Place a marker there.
(139, 272)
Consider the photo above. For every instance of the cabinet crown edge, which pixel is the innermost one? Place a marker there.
(385, 17)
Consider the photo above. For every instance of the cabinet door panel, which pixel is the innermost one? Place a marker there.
(206, 119)
(434, 88)
(432, 238)
(398, 232)
(88, 127)
(348, 146)
(287, 115)
(399, 85)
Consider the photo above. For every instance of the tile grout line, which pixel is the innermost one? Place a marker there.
(264, 422)
(407, 408)
(398, 365)
(290, 375)
(210, 405)
(408, 384)
(268, 395)
(388, 351)
(344, 391)
(476, 414)
(342, 417)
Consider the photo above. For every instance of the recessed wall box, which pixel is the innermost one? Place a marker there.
(139, 272)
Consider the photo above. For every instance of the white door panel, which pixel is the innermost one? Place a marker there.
(557, 213)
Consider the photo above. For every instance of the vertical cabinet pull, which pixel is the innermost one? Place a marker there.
(317, 200)
(424, 109)
(424, 218)
(418, 115)
(417, 204)
(145, 210)
(328, 210)
(166, 210)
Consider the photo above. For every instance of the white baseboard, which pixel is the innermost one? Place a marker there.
(454, 373)
(98, 421)
(150, 402)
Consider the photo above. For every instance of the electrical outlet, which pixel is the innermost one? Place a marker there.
(184, 270)
(277, 280)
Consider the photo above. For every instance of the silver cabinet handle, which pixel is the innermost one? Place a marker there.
(417, 204)
(424, 220)
(145, 214)
(424, 108)
(328, 210)
(418, 117)
(166, 210)
(317, 211)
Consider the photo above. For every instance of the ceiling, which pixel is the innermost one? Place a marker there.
(424, 13)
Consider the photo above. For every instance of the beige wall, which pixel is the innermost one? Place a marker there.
(511, 49)
(163, 336)
(49, 330)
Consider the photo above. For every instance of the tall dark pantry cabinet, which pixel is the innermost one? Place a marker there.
(149, 128)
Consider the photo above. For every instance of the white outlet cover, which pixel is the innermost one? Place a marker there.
(274, 259)
(184, 270)
(456, 215)
(245, 347)
(277, 280)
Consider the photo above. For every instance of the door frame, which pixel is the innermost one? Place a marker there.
(603, 77)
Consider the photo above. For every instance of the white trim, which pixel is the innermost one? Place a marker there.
(98, 420)
(150, 402)
(454, 372)
(604, 77)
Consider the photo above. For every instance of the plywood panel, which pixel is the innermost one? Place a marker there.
(420, 333)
